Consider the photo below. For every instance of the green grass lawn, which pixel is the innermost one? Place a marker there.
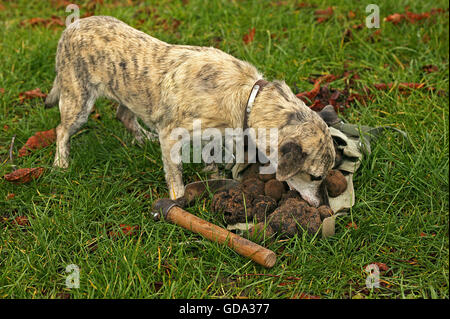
(402, 190)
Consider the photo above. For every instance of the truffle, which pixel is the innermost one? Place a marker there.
(336, 183)
(293, 217)
(234, 203)
(274, 189)
(252, 171)
(253, 186)
(290, 194)
(263, 206)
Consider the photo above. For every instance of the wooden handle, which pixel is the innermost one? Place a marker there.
(242, 246)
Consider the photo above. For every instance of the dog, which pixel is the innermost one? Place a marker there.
(168, 86)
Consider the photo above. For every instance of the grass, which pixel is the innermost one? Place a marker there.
(402, 190)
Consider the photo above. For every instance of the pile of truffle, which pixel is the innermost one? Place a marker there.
(270, 205)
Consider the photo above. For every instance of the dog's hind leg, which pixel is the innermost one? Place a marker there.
(75, 110)
(130, 121)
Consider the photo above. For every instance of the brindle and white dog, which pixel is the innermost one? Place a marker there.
(168, 86)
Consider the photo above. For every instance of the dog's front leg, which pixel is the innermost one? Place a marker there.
(173, 170)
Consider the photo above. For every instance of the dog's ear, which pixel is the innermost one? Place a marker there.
(290, 160)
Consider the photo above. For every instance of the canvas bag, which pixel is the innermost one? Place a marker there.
(354, 141)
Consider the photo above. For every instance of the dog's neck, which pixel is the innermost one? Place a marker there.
(256, 89)
(277, 107)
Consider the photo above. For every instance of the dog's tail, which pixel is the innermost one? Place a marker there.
(53, 97)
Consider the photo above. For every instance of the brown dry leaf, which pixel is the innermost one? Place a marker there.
(36, 93)
(394, 18)
(125, 230)
(63, 295)
(24, 175)
(305, 5)
(351, 14)
(381, 266)
(412, 17)
(128, 230)
(311, 94)
(2, 90)
(352, 225)
(429, 68)
(248, 37)
(375, 36)
(10, 196)
(46, 22)
(323, 15)
(38, 141)
(22, 221)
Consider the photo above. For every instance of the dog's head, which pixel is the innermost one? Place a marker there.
(305, 156)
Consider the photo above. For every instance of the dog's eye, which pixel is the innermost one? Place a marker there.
(315, 178)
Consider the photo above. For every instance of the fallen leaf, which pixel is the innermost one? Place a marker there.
(352, 225)
(248, 38)
(63, 295)
(321, 96)
(305, 5)
(36, 93)
(24, 175)
(38, 141)
(128, 230)
(22, 221)
(381, 266)
(422, 234)
(394, 18)
(10, 196)
(323, 15)
(429, 68)
(351, 14)
(358, 26)
(46, 22)
(315, 90)
(2, 90)
(375, 36)
(412, 17)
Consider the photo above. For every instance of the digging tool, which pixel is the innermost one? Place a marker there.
(170, 211)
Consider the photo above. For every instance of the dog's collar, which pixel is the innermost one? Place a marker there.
(257, 87)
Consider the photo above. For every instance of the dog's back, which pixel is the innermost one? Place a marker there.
(159, 82)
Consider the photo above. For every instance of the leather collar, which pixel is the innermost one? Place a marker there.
(257, 87)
